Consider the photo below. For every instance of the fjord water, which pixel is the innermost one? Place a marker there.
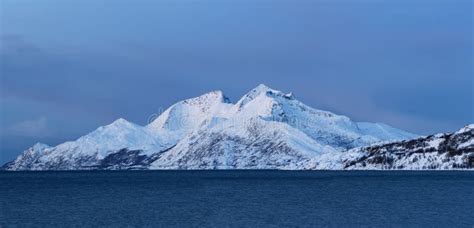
(237, 198)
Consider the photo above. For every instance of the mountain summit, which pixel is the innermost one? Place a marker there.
(265, 129)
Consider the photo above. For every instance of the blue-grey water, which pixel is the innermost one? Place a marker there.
(236, 199)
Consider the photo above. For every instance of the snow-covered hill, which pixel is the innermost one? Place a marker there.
(265, 129)
(441, 151)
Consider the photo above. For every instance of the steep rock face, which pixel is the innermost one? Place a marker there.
(441, 151)
(266, 128)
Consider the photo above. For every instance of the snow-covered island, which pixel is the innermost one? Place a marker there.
(265, 129)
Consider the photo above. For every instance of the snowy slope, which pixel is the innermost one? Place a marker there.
(89, 149)
(266, 128)
(257, 144)
(28, 157)
(325, 127)
(441, 151)
(184, 116)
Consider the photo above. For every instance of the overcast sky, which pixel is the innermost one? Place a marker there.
(68, 67)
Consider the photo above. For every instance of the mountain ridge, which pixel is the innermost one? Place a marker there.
(265, 129)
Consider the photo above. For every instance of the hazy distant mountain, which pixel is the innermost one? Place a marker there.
(265, 129)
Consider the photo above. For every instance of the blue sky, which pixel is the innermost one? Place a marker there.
(68, 67)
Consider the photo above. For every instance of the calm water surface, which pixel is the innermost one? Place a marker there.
(236, 199)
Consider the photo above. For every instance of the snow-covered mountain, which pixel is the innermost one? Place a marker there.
(265, 129)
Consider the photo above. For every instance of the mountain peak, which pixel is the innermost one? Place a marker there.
(256, 92)
(39, 147)
(262, 88)
(466, 128)
(210, 97)
(120, 122)
(186, 115)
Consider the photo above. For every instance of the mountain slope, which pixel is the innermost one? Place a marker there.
(256, 145)
(441, 151)
(88, 150)
(27, 159)
(325, 127)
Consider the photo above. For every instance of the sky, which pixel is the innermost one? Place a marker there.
(68, 67)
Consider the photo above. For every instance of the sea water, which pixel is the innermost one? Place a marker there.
(237, 198)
